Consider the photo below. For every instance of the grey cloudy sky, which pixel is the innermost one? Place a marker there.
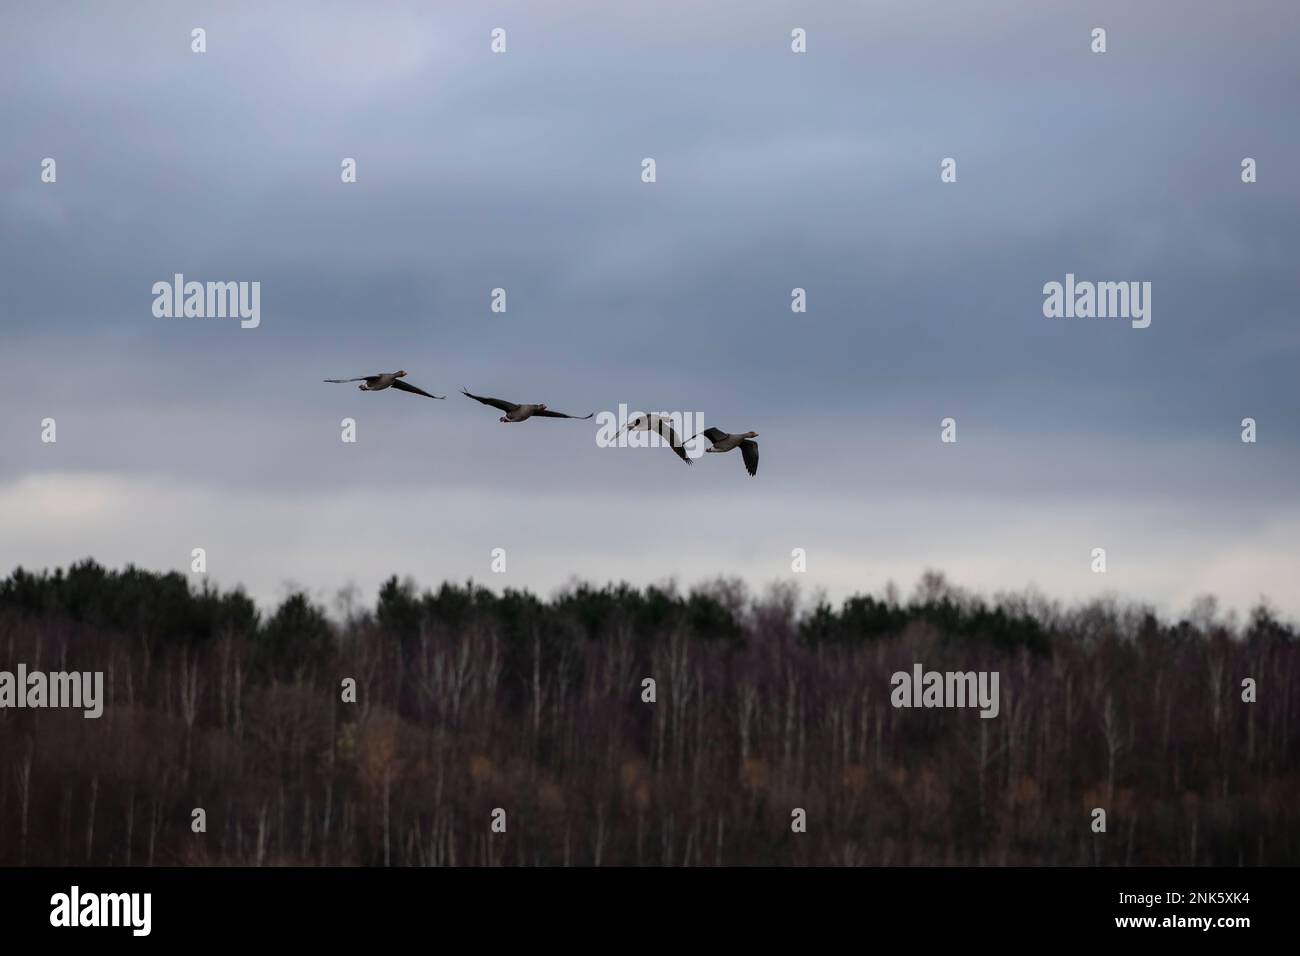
(775, 170)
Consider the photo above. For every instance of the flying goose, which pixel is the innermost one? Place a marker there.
(662, 427)
(724, 442)
(382, 380)
(521, 413)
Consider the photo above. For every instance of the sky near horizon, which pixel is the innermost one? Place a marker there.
(522, 170)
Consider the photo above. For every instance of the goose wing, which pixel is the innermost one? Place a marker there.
(664, 427)
(749, 450)
(399, 384)
(363, 378)
(714, 435)
(547, 413)
(500, 403)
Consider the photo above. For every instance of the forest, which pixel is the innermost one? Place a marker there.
(467, 701)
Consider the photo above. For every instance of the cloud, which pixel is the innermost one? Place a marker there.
(326, 540)
(775, 171)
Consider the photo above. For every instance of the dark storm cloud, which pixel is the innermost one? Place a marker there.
(775, 171)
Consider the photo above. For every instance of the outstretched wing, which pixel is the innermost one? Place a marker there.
(749, 449)
(363, 378)
(714, 435)
(664, 427)
(399, 384)
(547, 413)
(494, 402)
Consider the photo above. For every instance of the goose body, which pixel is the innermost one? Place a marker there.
(515, 412)
(724, 442)
(382, 380)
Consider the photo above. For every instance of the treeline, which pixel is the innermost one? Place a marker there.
(467, 701)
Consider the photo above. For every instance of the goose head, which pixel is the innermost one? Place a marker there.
(401, 374)
(750, 435)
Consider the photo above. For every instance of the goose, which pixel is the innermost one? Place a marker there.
(382, 380)
(662, 427)
(520, 413)
(724, 442)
